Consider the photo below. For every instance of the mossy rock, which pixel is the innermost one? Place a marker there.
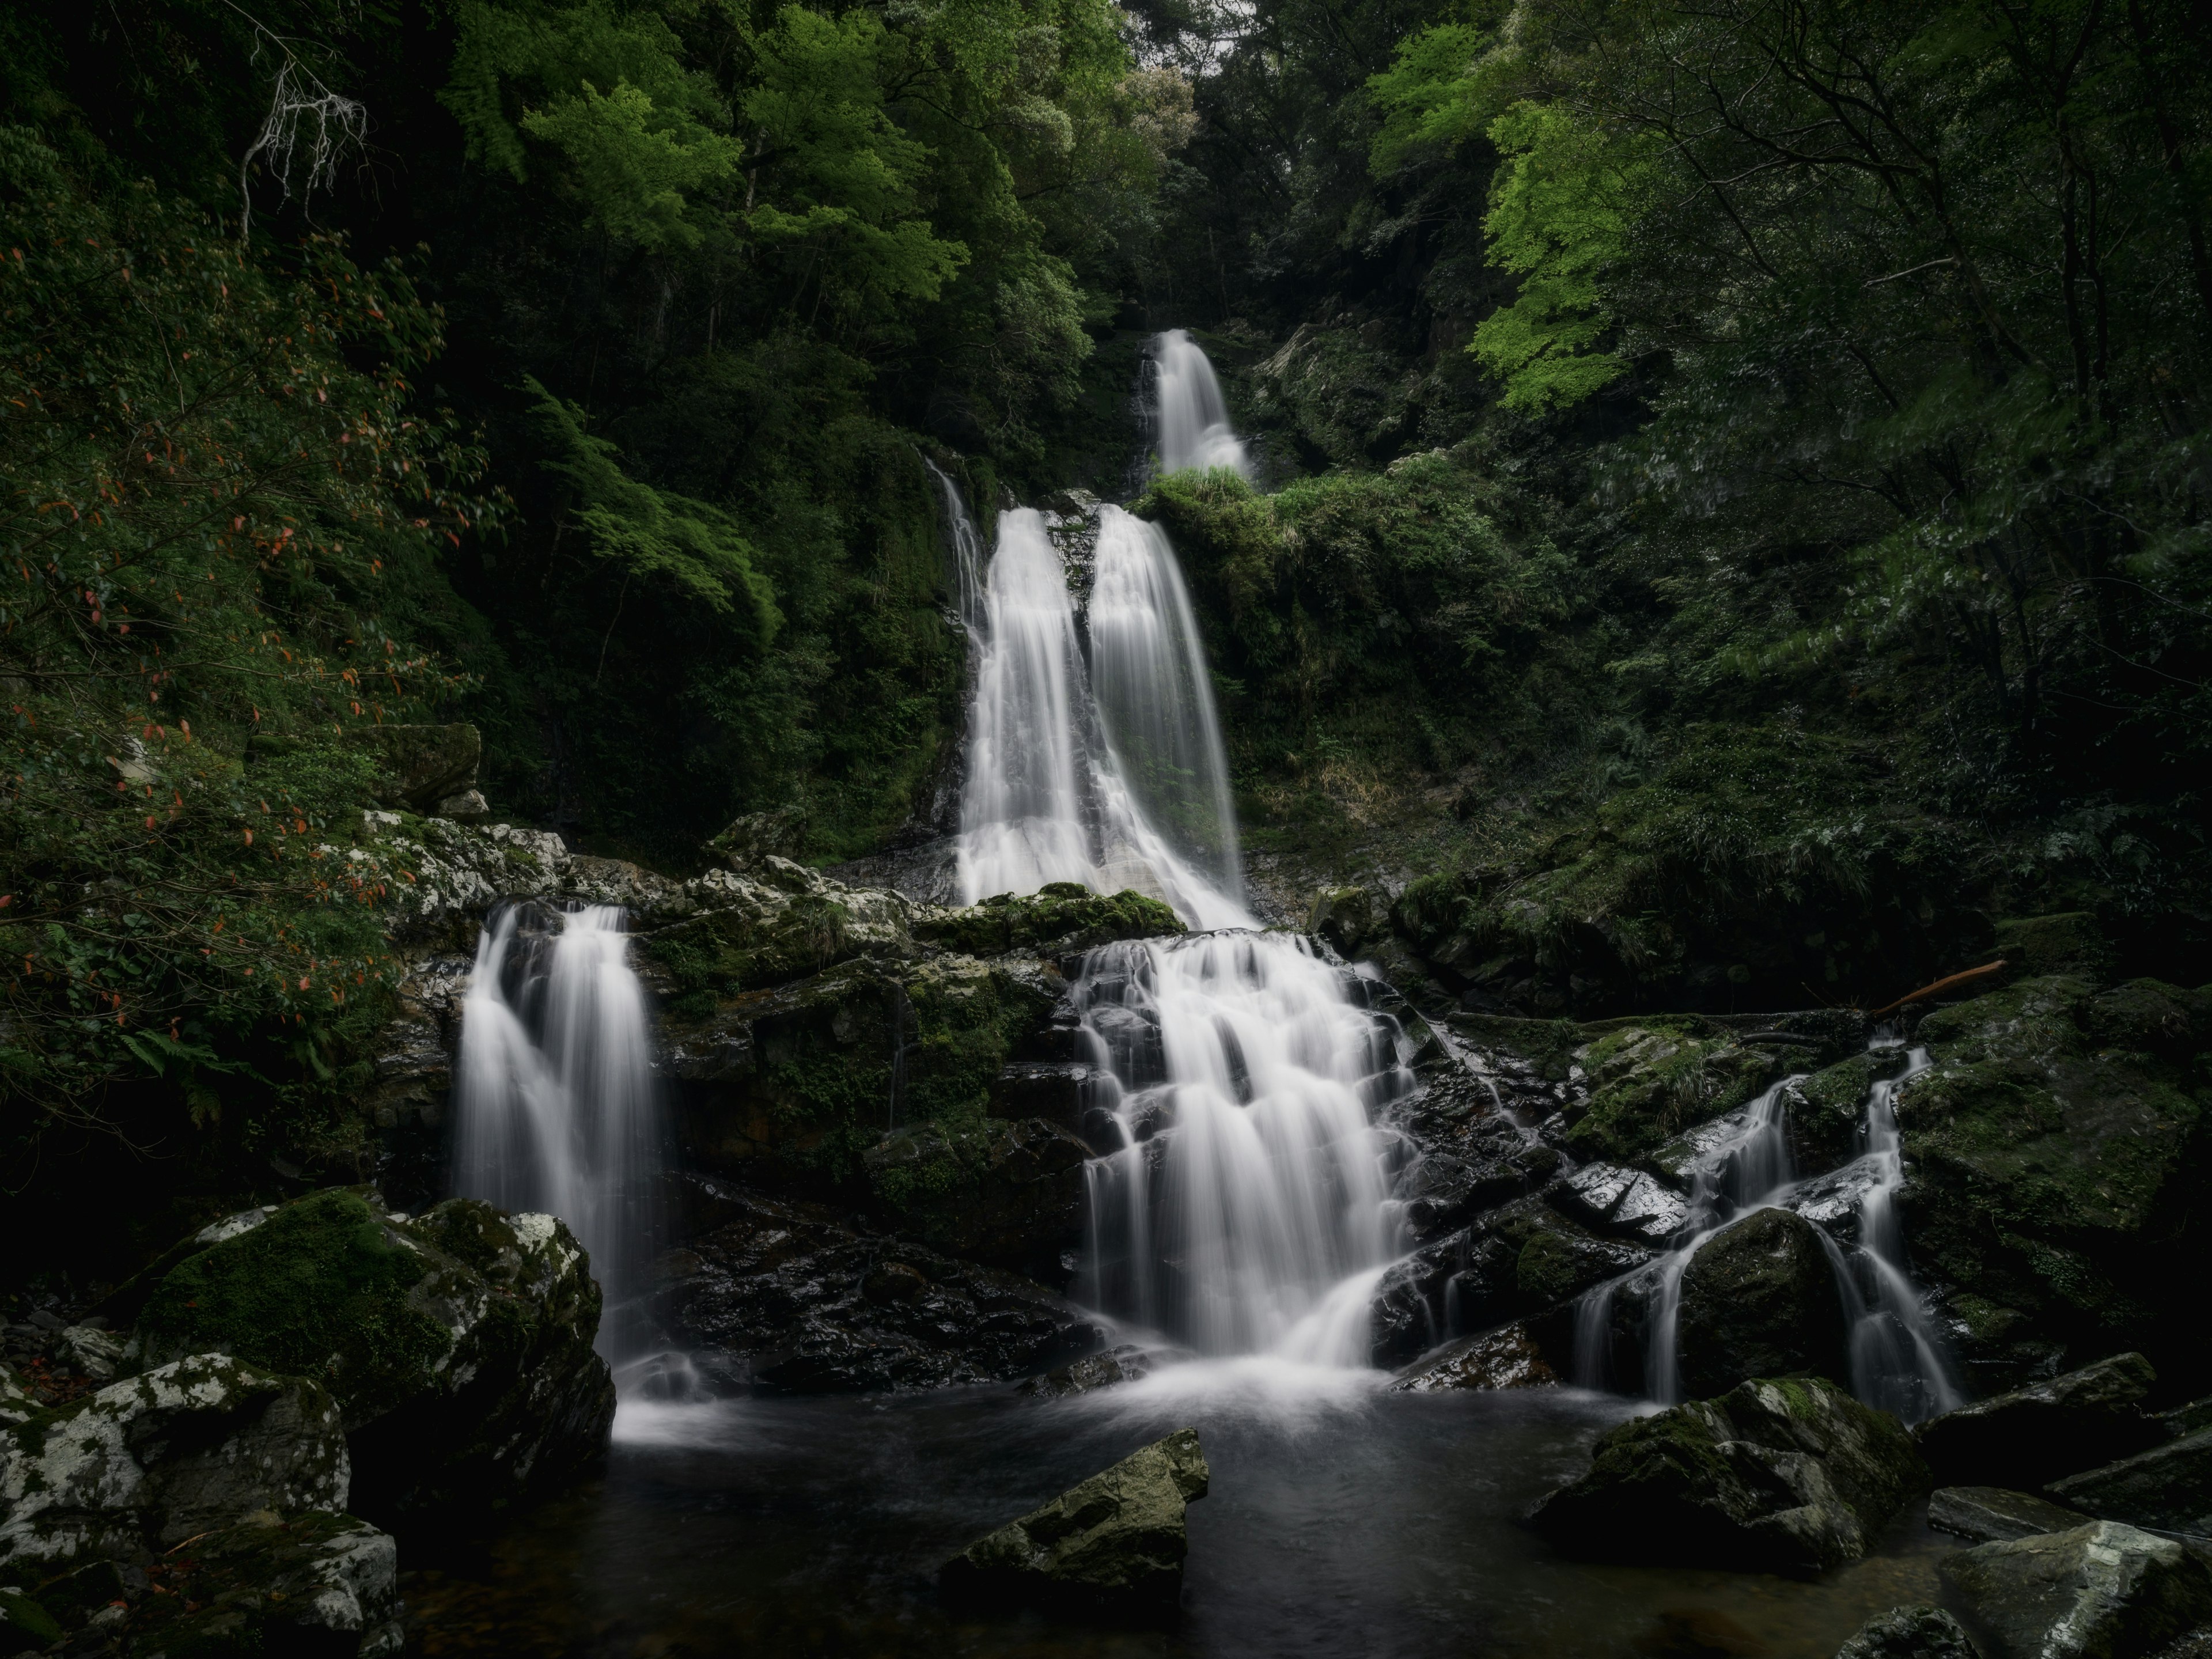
(1828, 1108)
(1760, 1299)
(457, 1346)
(2069, 942)
(1651, 1079)
(1062, 916)
(1010, 1193)
(2057, 1146)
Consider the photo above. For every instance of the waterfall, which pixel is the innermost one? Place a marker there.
(555, 1105)
(1191, 428)
(1047, 797)
(1896, 1355)
(1245, 1210)
(967, 549)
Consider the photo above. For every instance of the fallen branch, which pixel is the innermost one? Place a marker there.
(1939, 986)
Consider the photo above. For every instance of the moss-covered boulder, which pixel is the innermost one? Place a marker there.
(1760, 1299)
(1916, 1632)
(1059, 918)
(2057, 1150)
(319, 1583)
(1010, 1193)
(1827, 1110)
(1651, 1079)
(457, 1346)
(2052, 1427)
(1114, 1544)
(1791, 1476)
(2101, 1591)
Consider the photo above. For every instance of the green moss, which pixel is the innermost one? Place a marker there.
(1651, 1079)
(1546, 1269)
(24, 1624)
(1063, 915)
(317, 1291)
(727, 952)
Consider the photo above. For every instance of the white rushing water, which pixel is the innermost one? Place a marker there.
(1897, 1356)
(555, 1105)
(1191, 430)
(1246, 1211)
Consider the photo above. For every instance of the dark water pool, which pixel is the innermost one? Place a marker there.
(1342, 1522)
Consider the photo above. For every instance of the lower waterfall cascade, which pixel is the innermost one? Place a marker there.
(557, 1106)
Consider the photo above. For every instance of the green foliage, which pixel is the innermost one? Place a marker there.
(316, 1291)
(213, 477)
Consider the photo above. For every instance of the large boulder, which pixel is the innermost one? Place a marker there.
(1113, 1544)
(1920, 1632)
(1987, 1515)
(1760, 1299)
(2100, 1591)
(792, 1297)
(457, 1346)
(2169, 1487)
(2055, 1145)
(1649, 1080)
(1790, 1476)
(196, 1444)
(2035, 1435)
(310, 1584)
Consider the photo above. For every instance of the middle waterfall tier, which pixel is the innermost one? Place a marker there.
(1110, 772)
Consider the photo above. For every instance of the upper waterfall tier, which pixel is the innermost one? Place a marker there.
(1113, 780)
(1191, 430)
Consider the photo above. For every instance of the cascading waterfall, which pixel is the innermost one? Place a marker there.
(557, 1108)
(1896, 1355)
(1191, 430)
(1245, 1212)
(967, 549)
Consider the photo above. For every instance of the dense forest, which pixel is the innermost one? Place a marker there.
(1730, 530)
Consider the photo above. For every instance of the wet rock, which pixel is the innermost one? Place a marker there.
(457, 1346)
(2169, 1487)
(1100, 1371)
(1114, 1544)
(2054, 1147)
(1010, 1193)
(1988, 1514)
(1790, 1476)
(1057, 1090)
(319, 1583)
(2039, 1434)
(195, 1444)
(1061, 917)
(1760, 1299)
(1505, 1359)
(1627, 1203)
(1445, 1191)
(2100, 1591)
(1921, 1633)
(789, 1298)
(1649, 1081)
(1347, 917)
(1827, 1110)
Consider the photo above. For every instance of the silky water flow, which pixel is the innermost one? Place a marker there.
(557, 1106)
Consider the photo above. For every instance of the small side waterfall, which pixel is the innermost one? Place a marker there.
(1191, 430)
(966, 551)
(557, 1108)
(1896, 1355)
(1246, 1211)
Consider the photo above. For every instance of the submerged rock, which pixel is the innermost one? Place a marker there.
(2100, 1591)
(1505, 1359)
(198, 1444)
(1789, 1476)
(790, 1298)
(457, 1346)
(2033, 1435)
(1114, 1544)
(1921, 1633)
(1988, 1514)
(2169, 1487)
(1760, 1299)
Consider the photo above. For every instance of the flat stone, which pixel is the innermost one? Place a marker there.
(1921, 1633)
(2041, 1433)
(2099, 1591)
(1989, 1515)
(1113, 1544)
(1506, 1358)
(2169, 1487)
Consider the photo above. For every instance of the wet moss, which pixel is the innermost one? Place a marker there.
(1651, 1080)
(318, 1291)
(1062, 915)
(740, 948)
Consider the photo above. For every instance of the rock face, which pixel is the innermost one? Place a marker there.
(1650, 1080)
(1990, 1515)
(788, 1298)
(1506, 1358)
(1760, 1300)
(1010, 1195)
(457, 1346)
(1114, 1544)
(1789, 1476)
(198, 1444)
(2056, 1145)
(1909, 1634)
(2036, 1434)
(2169, 1487)
(2101, 1591)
